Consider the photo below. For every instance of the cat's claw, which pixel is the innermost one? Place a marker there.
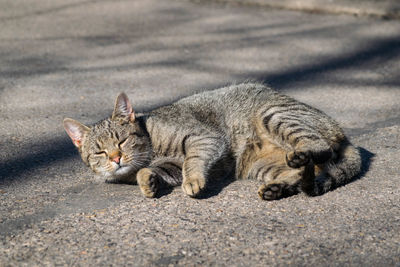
(147, 182)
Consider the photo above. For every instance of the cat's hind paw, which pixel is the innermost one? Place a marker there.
(277, 190)
(147, 181)
(297, 159)
(271, 191)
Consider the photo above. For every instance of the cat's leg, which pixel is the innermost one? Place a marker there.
(282, 181)
(266, 162)
(297, 129)
(278, 179)
(202, 152)
(161, 173)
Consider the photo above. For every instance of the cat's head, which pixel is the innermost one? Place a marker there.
(115, 148)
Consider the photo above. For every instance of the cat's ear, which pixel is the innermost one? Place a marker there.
(123, 108)
(76, 131)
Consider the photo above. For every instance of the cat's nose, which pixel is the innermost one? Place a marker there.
(116, 159)
(115, 156)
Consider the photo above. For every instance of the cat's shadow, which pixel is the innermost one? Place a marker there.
(164, 191)
(213, 188)
(366, 159)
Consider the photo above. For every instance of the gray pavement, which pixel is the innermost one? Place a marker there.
(386, 9)
(70, 59)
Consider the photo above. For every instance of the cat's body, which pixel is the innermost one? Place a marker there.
(248, 129)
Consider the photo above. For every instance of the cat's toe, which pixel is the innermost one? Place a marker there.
(271, 191)
(147, 181)
(192, 187)
(297, 159)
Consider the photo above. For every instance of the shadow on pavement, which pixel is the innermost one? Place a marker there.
(377, 53)
(51, 10)
(215, 187)
(55, 150)
(366, 159)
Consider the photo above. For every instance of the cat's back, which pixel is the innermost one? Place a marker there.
(213, 113)
(229, 98)
(238, 98)
(221, 109)
(234, 109)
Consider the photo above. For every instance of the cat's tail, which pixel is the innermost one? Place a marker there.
(337, 172)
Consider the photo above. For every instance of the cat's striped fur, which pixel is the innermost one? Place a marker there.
(247, 129)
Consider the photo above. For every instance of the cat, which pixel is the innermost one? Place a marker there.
(248, 130)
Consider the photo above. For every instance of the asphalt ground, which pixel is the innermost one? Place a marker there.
(71, 58)
(384, 9)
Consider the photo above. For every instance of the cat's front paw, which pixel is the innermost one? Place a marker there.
(147, 181)
(297, 159)
(193, 185)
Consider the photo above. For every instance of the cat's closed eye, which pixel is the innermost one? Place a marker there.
(122, 143)
(101, 153)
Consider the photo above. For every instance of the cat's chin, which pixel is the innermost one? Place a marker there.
(122, 174)
(123, 171)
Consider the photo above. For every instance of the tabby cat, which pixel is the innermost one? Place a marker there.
(248, 129)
